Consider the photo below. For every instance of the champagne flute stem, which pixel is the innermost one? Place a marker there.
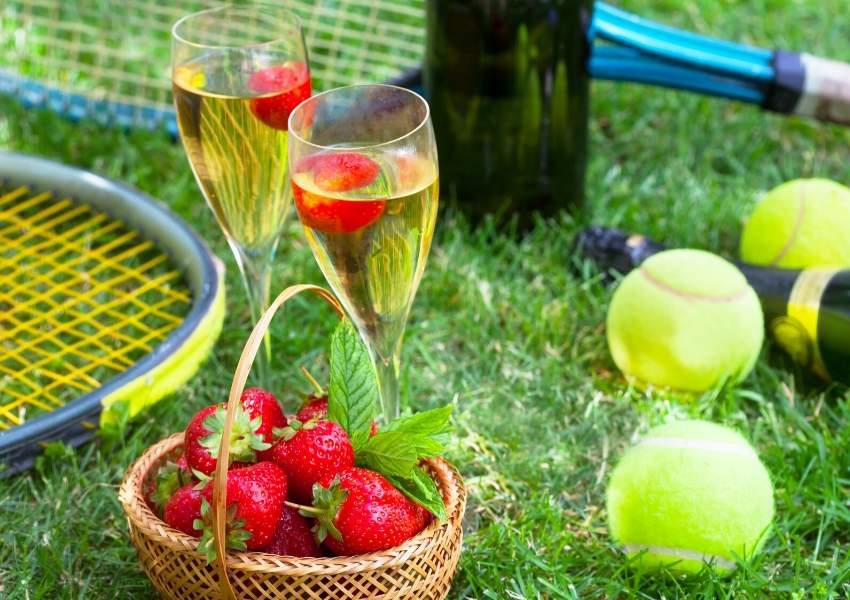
(388, 375)
(257, 279)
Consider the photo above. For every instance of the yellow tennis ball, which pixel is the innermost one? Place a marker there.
(800, 224)
(690, 493)
(686, 320)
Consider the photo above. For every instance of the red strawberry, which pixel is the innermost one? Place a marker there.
(309, 451)
(198, 456)
(313, 407)
(335, 216)
(340, 172)
(183, 509)
(260, 403)
(256, 494)
(364, 513)
(257, 415)
(292, 84)
(293, 536)
(317, 407)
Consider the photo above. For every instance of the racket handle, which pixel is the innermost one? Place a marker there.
(810, 86)
(780, 81)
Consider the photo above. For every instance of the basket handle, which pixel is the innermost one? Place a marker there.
(249, 352)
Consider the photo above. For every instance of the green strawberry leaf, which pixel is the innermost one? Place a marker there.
(168, 480)
(435, 424)
(244, 439)
(353, 387)
(326, 505)
(420, 488)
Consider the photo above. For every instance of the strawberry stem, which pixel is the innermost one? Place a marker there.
(316, 387)
(304, 509)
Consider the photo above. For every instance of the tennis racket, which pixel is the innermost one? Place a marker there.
(637, 49)
(112, 65)
(108, 302)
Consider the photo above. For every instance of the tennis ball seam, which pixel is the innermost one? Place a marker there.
(695, 444)
(798, 224)
(682, 553)
(719, 298)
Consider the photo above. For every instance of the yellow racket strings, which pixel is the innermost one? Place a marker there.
(82, 298)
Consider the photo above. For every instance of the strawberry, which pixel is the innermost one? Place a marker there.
(183, 509)
(171, 476)
(199, 457)
(313, 407)
(340, 172)
(255, 497)
(335, 216)
(293, 536)
(288, 84)
(363, 513)
(259, 402)
(317, 407)
(256, 417)
(309, 451)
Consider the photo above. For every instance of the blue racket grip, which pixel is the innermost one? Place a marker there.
(780, 81)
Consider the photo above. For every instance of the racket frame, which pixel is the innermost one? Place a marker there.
(177, 356)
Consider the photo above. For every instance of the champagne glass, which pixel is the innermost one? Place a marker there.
(237, 73)
(363, 163)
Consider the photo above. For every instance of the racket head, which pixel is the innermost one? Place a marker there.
(113, 66)
(174, 356)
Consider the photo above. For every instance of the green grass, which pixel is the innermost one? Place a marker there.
(501, 329)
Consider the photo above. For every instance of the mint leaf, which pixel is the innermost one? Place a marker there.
(420, 488)
(359, 439)
(396, 452)
(435, 424)
(353, 387)
(389, 453)
(398, 448)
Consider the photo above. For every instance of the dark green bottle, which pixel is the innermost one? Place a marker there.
(508, 90)
(807, 312)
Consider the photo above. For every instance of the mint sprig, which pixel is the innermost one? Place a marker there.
(388, 453)
(397, 450)
(434, 424)
(353, 387)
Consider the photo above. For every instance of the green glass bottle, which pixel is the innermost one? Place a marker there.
(508, 90)
(806, 312)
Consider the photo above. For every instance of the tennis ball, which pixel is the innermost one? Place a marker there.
(800, 224)
(690, 493)
(685, 319)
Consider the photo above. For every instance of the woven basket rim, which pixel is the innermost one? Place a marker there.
(137, 511)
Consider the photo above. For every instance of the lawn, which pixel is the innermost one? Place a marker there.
(505, 332)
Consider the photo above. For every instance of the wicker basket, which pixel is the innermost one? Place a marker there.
(422, 568)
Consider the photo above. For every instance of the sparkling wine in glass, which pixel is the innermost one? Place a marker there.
(237, 73)
(363, 163)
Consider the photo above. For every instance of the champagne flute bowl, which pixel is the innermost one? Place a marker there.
(237, 73)
(363, 163)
